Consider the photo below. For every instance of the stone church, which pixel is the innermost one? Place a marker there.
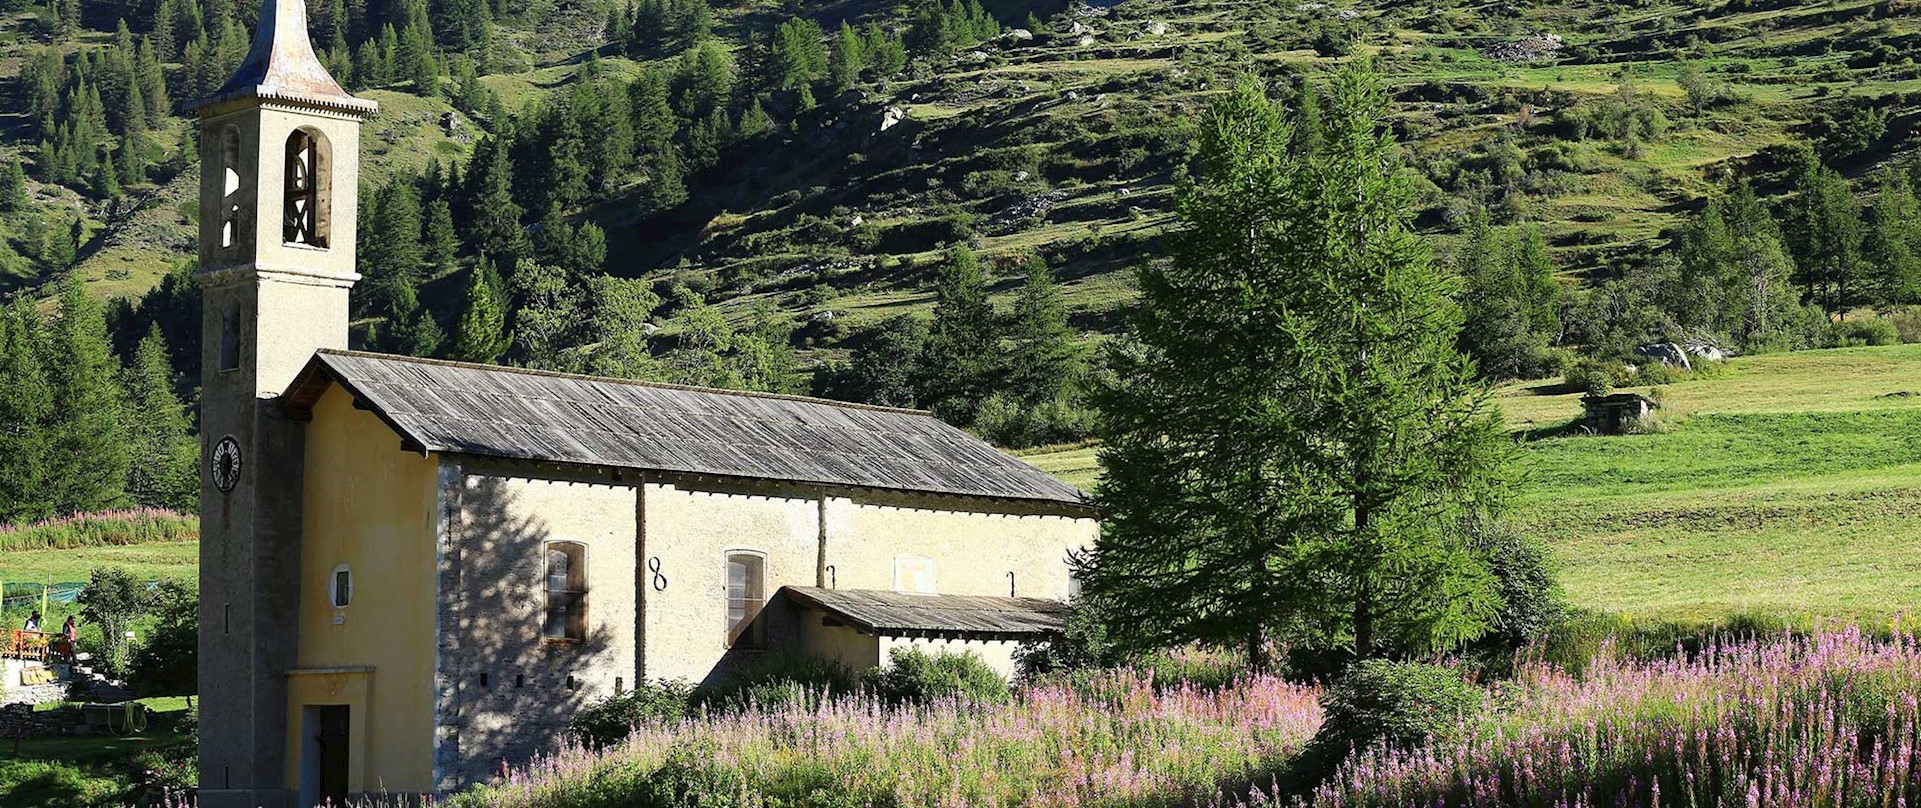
(414, 570)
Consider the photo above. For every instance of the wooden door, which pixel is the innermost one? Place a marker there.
(331, 739)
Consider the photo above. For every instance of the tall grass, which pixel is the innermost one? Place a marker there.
(1826, 720)
(1112, 740)
(104, 528)
(1810, 720)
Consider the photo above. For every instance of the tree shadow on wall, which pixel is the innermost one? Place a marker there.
(505, 689)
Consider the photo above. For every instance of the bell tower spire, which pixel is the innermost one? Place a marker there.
(279, 157)
(279, 178)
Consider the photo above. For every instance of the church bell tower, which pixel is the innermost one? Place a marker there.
(279, 176)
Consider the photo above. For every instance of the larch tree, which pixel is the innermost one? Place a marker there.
(1043, 361)
(958, 358)
(1292, 444)
(1826, 233)
(1894, 241)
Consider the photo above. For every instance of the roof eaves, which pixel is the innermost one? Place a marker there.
(313, 380)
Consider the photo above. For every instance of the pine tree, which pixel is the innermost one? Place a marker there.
(494, 224)
(1292, 444)
(1510, 301)
(438, 241)
(753, 121)
(27, 416)
(90, 458)
(958, 360)
(884, 368)
(1894, 242)
(847, 59)
(1826, 233)
(1043, 362)
(390, 258)
(152, 81)
(1308, 138)
(482, 335)
(165, 472)
(13, 186)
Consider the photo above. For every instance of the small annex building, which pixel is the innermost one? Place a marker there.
(414, 570)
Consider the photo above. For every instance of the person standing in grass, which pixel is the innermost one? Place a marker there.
(33, 621)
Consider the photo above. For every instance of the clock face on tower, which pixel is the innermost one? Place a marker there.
(226, 463)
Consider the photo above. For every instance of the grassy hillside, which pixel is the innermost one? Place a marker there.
(1067, 144)
(1790, 483)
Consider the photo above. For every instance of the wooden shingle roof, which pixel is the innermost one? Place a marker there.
(520, 414)
(897, 614)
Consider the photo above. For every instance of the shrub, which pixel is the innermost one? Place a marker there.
(1005, 422)
(916, 677)
(1907, 323)
(776, 680)
(1590, 376)
(610, 720)
(1398, 705)
(1532, 602)
(168, 661)
(1849, 333)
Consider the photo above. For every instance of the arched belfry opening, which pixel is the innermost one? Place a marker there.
(230, 228)
(309, 183)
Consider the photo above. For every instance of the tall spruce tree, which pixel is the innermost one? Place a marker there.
(958, 360)
(1293, 444)
(1043, 361)
(439, 243)
(165, 472)
(27, 416)
(390, 256)
(13, 186)
(90, 458)
(482, 335)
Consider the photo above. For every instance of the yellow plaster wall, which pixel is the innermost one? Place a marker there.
(506, 524)
(373, 507)
(852, 649)
(691, 533)
(348, 687)
(972, 550)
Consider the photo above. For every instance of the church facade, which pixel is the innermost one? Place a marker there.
(413, 571)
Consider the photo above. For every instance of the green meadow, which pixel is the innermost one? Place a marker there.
(1786, 483)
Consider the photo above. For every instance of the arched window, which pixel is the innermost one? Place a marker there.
(340, 587)
(566, 592)
(309, 178)
(746, 594)
(229, 187)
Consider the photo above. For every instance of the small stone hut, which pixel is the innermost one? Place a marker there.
(1611, 414)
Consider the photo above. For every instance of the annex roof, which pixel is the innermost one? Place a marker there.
(873, 611)
(521, 414)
